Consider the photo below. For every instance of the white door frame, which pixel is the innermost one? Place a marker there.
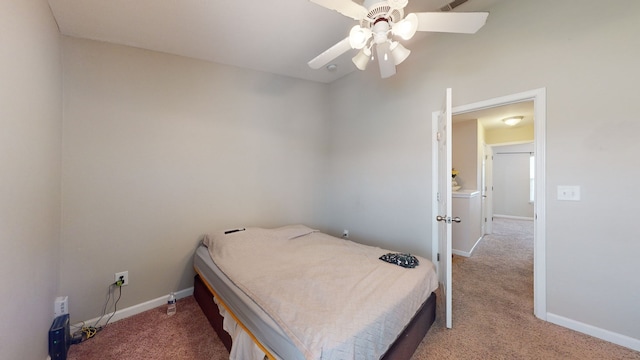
(538, 96)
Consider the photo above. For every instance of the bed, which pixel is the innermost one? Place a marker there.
(295, 293)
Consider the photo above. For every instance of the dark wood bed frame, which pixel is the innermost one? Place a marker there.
(402, 349)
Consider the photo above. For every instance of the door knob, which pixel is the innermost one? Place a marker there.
(447, 219)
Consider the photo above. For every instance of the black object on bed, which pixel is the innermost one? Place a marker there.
(404, 260)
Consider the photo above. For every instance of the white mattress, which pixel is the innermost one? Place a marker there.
(246, 310)
(276, 283)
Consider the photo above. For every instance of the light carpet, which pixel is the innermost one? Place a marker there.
(155, 335)
(492, 306)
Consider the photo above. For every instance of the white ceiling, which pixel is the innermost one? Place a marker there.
(278, 37)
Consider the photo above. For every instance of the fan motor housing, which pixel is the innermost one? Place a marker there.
(381, 11)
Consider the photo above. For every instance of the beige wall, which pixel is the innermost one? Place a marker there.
(508, 135)
(160, 149)
(380, 162)
(480, 157)
(464, 153)
(30, 124)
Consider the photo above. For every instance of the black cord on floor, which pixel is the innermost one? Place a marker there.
(87, 332)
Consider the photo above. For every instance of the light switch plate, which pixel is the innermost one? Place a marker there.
(569, 193)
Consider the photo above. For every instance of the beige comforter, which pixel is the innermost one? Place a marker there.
(334, 298)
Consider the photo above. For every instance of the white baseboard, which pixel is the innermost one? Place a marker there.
(619, 339)
(136, 309)
(464, 253)
(512, 217)
(460, 253)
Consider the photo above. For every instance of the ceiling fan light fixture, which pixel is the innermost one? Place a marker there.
(358, 37)
(380, 31)
(513, 120)
(361, 60)
(382, 23)
(399, 52)
(406, 27)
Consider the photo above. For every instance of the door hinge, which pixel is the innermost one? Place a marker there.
(438, 257)
(438, 197)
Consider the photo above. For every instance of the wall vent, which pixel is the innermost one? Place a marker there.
(452, 5)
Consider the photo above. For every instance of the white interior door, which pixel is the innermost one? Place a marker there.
(442, 220)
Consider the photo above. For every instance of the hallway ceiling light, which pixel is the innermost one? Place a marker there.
(513, 121)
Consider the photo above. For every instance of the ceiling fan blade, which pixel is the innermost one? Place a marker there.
(452, 22)
(331, 53)
(385, 60)
(345, 7)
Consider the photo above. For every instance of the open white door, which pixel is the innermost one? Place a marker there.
(442, 185)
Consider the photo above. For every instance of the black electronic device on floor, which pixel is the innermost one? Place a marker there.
(59, 338)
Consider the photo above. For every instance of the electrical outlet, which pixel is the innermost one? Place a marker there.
(124, 276)
(61, 306)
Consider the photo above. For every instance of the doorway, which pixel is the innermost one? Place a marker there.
(538, 97)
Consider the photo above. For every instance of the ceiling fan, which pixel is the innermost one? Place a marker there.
(382, 23)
